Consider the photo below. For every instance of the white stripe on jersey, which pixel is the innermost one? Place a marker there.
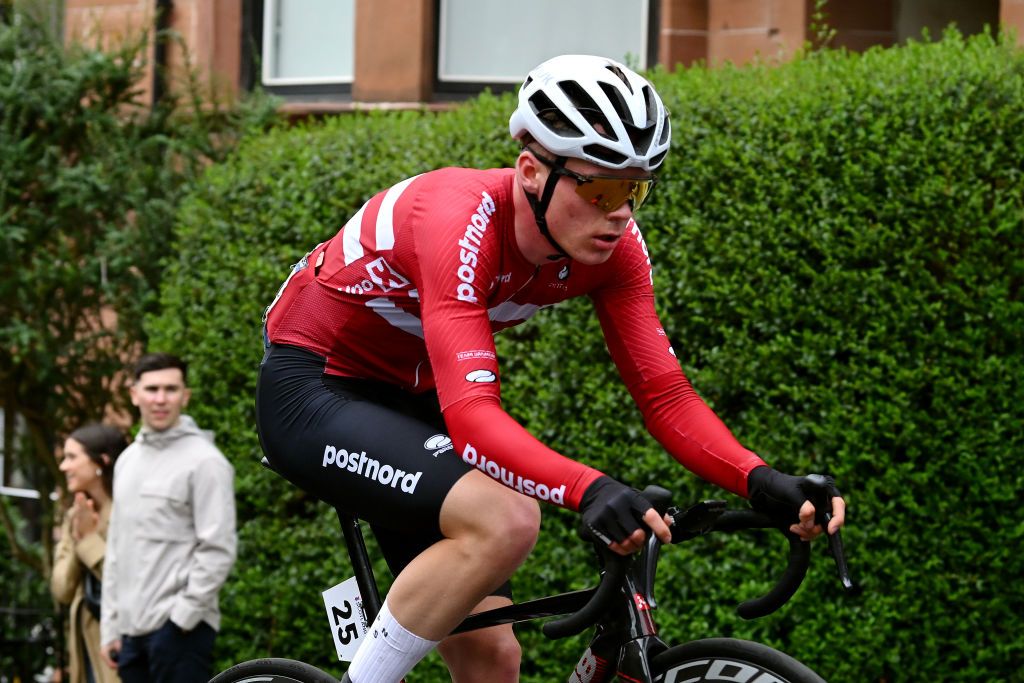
(350, 239)
(509, 310)
(386, 215)
(407, 322)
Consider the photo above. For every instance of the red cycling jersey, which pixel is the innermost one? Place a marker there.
(412, 289)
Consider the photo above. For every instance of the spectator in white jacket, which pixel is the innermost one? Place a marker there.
(171, 540)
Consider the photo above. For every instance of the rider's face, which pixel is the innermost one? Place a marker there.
(588, 233)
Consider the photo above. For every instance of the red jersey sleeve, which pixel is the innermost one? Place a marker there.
(459, 261)
(673, 412)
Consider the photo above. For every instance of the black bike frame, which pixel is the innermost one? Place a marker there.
(365, 579)
(555, 605)
(620, 607)
(625, 639)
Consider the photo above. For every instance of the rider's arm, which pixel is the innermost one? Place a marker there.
(673, 412)
(488, 438)
(688, 429)
(458, 266)
(676, 415)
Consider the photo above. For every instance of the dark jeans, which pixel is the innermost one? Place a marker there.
(168, 655)
(90, 677)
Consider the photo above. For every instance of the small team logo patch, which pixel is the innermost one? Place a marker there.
(436, 441)
(481, 376)
(438, 444)
(475, 354)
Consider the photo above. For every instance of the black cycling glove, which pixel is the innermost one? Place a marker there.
(780, 496)
(612, 511)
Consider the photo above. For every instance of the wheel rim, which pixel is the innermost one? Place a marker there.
(268, 678)
(722, 669)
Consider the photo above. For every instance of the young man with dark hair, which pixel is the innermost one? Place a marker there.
(171, 541)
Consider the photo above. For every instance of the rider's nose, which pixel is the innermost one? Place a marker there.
(624, 212)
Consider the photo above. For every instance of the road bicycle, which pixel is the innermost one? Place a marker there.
(626, 642)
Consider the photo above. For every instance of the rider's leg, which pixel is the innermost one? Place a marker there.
(489, 655)
(382, 454)
(488, 532)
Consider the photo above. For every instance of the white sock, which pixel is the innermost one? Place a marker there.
(389, 652)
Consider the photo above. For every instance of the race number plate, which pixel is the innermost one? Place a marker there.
(348, 621)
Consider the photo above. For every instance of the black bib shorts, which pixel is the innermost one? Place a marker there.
(369, 448)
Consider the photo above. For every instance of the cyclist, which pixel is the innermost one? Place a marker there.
(379, 390)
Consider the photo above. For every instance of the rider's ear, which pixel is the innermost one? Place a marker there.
(530, 172)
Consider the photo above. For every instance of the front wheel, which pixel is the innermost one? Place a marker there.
(273, 670)
(729, 659)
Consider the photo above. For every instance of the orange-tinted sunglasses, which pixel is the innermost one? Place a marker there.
(604, 191)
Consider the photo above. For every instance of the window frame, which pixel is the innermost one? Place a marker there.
(464, 88)
(257, 57)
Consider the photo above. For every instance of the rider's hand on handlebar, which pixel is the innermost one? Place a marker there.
(808, 530)
(618, 515)
(783, 497)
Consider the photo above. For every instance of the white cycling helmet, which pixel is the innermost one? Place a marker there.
(593, 108)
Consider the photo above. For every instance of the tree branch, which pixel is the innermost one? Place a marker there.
(17, 550)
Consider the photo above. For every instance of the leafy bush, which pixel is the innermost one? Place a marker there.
(838, 248)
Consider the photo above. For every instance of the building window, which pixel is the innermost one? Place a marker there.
(12, 482)
(308, 46)
(915, 16)
(494, 42)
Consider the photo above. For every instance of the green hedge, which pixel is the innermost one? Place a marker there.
(839, 258)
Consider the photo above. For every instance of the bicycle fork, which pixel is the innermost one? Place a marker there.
(626, 639)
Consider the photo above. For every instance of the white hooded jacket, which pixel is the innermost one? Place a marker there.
(171, 540)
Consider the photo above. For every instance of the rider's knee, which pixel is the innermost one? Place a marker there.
(500, 524)
(506, 654)
(516, 524)
(521, 515)
(495, 652)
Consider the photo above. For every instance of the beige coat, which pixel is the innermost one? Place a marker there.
(67, 583)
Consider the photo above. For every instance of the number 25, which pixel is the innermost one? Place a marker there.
(345, 632)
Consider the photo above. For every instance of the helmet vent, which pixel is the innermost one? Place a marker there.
(640, 137)
(604, 154)
(666, 131)
(552, 117)
(617, 100)
(652, 106)
(587, 107)
(620, 75)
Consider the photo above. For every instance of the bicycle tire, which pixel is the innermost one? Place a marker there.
(273, 670)
(729, 659)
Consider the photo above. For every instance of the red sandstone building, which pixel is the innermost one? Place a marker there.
(326, 55)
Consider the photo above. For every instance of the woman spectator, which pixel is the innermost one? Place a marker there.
(88, 466)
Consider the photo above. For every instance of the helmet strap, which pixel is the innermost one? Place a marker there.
(540, 208)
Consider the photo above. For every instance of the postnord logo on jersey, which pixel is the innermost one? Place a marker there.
(509, 478)
(470, 247)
